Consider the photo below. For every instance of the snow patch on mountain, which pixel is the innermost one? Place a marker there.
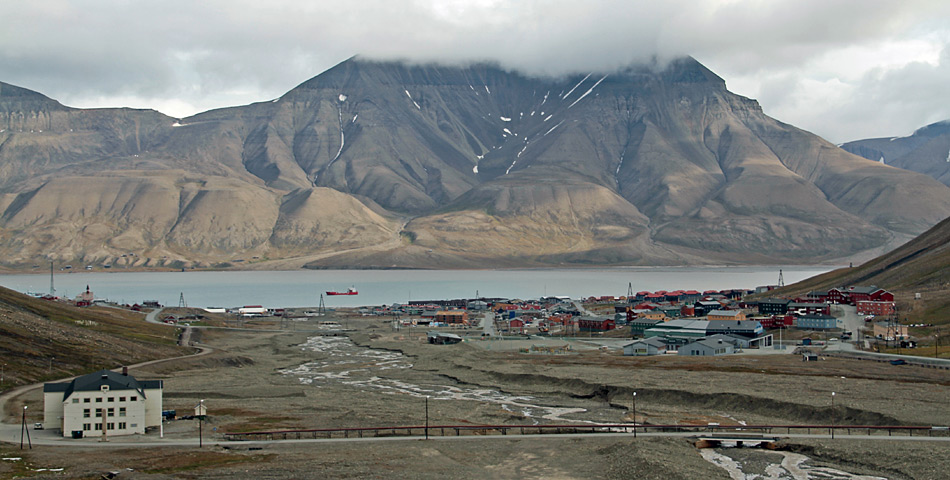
(569, 92)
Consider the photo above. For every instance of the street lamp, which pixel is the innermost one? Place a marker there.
(832, 415)
(25, 432)
(634, 414)
(201, 413)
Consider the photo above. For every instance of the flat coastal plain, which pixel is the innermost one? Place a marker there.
(311, 376)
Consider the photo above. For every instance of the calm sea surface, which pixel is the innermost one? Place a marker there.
(302, 288)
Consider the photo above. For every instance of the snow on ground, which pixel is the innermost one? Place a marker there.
(342, 97)
(505, 119)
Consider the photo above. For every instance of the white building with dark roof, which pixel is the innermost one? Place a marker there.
(129, 405)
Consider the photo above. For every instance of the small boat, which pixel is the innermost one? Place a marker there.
(349, 291)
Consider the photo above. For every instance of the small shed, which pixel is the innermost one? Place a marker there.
(707, 348)
(645, 347)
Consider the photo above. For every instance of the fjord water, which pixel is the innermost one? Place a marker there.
(302, 288)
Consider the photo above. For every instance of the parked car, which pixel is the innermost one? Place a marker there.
(37, 426)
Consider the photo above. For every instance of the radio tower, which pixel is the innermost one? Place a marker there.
(781, 280)
(322, 309)
(629, 290)
(181, 301)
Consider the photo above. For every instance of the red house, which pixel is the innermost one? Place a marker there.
(592, 324)
(869, 307)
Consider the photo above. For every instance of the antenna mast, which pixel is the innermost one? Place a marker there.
(781, 279)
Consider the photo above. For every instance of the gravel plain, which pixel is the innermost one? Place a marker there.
(375, 377)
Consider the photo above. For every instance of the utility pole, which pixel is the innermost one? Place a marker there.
(634, 414)
(832, 415)
(52, 291)
(427, 417)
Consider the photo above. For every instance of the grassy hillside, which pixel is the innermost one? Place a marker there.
(43, 340)
(919, 266)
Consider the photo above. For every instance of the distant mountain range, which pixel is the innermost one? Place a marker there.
(387, 164)
(926, 151)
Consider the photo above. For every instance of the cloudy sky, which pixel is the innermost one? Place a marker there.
(842, 69)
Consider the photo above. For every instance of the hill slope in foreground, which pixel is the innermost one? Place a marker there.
(44, 340)
(919, 266)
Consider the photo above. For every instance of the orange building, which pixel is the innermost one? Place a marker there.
(452, 317)
(725, 315)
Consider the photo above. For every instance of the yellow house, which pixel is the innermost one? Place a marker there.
(726, 315)
(891, 331)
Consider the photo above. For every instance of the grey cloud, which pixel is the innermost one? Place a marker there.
(204, 53)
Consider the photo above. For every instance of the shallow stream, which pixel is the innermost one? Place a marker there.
(348, 364)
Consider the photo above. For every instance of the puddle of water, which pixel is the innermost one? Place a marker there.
(348, 364)
(793, 467)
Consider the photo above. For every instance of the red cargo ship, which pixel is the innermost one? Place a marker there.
(349, 291)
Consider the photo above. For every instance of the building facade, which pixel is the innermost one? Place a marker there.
(816, 322)
(870, 307)
(104, 399)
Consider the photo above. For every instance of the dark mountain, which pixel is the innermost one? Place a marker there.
(390, 164)
(926, 151)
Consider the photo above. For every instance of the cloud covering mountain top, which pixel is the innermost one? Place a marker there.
(842, 69)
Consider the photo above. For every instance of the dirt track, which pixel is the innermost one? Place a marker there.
(256, 381)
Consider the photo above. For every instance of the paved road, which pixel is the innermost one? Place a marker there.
(11, 432)
(46, 438)
(488, 323)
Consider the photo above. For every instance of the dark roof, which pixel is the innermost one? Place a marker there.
(775, 301)
(806, 305)
(94, 381)
(862, 289)
(817, 316)
(732, 325)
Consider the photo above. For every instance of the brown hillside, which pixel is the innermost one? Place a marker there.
(919, 266)
(44, 340)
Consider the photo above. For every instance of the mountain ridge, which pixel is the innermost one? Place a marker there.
(472, 165)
